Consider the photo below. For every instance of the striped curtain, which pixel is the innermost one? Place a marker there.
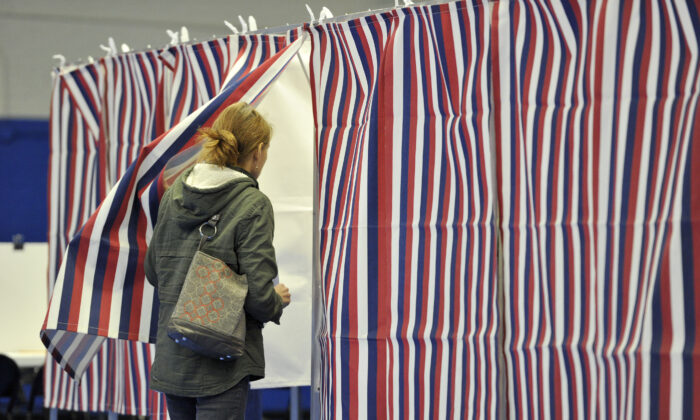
(408, 246)
(598, 157)
(200, 69)
(74, 164)
(134, 99)
(118, 99)
(74, 193)
(197, 73)
(100, 290)
(508, 210)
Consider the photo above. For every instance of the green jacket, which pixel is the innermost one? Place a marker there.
(244, 241)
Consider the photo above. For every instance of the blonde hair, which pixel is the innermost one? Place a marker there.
(235, 134)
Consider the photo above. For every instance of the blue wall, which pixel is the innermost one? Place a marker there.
(24, 163)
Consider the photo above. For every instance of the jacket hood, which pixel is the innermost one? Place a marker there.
(196, 200)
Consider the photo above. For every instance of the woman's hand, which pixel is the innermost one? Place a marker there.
(283, 291)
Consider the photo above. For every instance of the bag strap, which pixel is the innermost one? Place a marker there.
(211, 223)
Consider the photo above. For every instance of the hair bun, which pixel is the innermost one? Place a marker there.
(228, 137)
(223, 142)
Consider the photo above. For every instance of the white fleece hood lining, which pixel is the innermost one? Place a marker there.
(207, 175)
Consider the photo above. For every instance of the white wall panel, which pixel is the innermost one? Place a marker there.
(287, 179)
(22, 296)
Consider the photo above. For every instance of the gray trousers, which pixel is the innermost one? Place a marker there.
(229, 405)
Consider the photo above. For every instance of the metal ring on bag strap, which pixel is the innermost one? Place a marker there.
(208, 222)
(211, 222)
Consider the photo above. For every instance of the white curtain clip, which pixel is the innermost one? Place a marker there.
(110, 48)
(112, 45)
(252, 24)
(231, 27)
(174, 37)
(244, 26)
(184, 34)
(325, 14)
(61, 59)
(311, 14)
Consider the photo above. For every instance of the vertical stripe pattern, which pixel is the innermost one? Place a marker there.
(197, 71)
(133, 107)
(133, 115)
(200, 69)
(596, 128)
(117, 99)
(75, 172)
(407, 228)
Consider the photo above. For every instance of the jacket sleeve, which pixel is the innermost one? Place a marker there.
(149, 263)
(256, 259)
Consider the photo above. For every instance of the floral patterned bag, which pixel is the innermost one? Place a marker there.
(209, 317)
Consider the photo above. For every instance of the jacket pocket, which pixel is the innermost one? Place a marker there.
(177, 367)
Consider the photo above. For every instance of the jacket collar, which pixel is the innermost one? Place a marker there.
(243, 171)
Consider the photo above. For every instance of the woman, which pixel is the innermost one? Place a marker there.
(224, 182)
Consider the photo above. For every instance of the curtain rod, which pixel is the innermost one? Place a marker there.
(347, 17)
(278, 29)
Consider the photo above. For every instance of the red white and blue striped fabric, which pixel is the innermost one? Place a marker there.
(134, 107)
(407, 228)
(199, 69)
(118, 97)
(134, 104)
(597, 133)
(74, 165)
(100, 288)
(75, 190)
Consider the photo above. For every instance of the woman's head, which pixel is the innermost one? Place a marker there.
(239, 136)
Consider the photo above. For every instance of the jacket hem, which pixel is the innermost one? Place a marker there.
(204, 391)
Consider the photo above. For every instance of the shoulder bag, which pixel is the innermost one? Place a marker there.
(209, 317)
